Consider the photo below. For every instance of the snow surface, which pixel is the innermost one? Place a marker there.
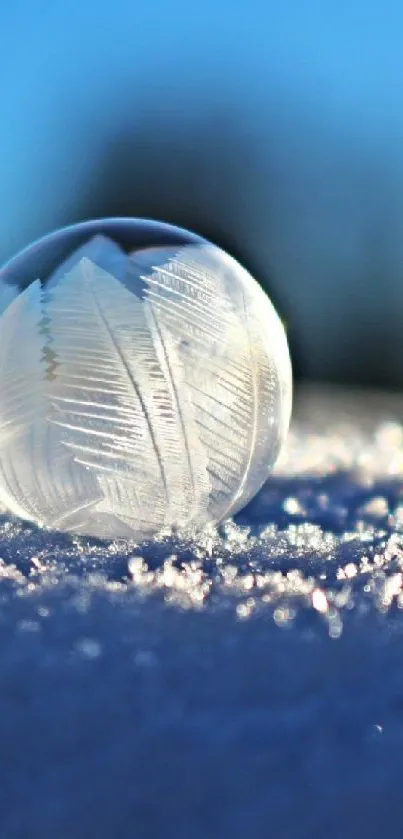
(245, 683)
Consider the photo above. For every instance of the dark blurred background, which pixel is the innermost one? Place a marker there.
(274, 129)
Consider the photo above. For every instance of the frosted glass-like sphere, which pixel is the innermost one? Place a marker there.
(145, 381)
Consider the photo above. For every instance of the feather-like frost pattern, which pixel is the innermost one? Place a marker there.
(142, 392)
(39, 479)
(233, 381)
(115, 404)
(101, 251)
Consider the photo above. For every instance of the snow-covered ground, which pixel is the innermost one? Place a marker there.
(248, 682)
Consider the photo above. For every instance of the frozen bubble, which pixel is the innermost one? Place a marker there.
(145, 382)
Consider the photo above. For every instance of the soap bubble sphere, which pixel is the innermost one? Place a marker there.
(145, 381)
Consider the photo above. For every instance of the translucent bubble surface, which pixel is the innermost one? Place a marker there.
(145, 382)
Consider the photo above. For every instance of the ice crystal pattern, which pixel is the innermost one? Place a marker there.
(140, 392)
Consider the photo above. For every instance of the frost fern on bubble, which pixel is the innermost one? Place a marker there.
(139, 393)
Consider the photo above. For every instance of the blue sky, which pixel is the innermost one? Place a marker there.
(311, 103)
(69, 71)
